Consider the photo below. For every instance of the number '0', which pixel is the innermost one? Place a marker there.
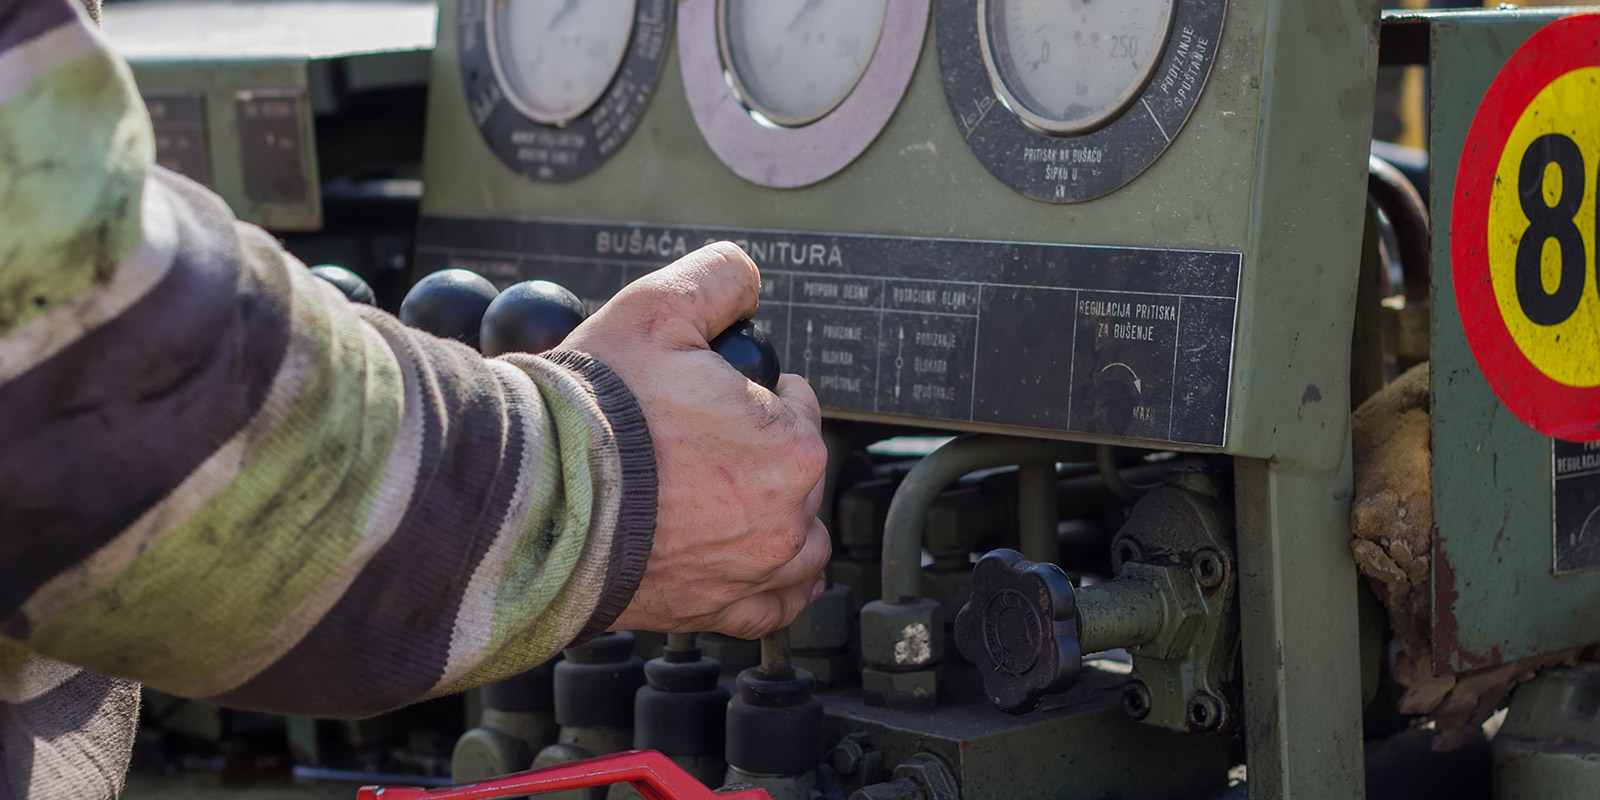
(1546, 222)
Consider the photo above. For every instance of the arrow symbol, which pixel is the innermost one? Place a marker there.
(1138, 385)
(899, 361)
(808, 348)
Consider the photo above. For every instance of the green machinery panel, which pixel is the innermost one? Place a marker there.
(1514, 554)
(1188, 299)
(234, 88)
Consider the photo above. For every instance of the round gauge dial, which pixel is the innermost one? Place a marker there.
(556, 86)
(1068, 66)
(1069, 100)
(793, 61)
(789, 92)
(555, 58)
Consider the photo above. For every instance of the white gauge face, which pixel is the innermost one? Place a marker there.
(1070, 66)
(555, 58)
(795, 60)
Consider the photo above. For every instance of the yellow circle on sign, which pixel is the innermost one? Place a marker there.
(1568, 350)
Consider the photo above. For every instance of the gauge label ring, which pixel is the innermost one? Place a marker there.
(557, 153)
(1055, 168)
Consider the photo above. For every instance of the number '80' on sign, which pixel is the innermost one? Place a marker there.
(1542, 228)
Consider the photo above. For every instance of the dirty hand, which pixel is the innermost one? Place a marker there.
(738, 547)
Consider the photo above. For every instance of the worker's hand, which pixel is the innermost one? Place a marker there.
(738, 547)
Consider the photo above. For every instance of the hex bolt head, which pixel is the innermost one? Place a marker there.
(1136, 699)
(930, 775)
(897, 789)
(846, 756)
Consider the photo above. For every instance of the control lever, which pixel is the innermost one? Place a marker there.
(748, 350)
(449, 304)
(529, 317)
(354, 288)
(652, 774)
(534, 316)
(1021, 630)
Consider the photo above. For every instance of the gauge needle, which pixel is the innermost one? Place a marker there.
(566, 8)
(810, 4)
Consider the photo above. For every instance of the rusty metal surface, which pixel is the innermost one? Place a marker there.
(1495, 597)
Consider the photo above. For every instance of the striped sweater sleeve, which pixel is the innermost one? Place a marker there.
(221, 479)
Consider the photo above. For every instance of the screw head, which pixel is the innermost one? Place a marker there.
(1205, 713)
(1210, 570)
(1125, 550)
(1136, 699)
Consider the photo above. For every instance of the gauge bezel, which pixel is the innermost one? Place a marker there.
(1073, 168)
(517, 102)
(776, 156)
(554, 153)
(1049, 126)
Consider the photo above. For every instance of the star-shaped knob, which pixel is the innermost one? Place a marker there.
(1021, 630)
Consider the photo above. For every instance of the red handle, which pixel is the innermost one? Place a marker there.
(653, 774)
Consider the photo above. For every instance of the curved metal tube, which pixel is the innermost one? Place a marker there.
(1394, 195)
(908, 510)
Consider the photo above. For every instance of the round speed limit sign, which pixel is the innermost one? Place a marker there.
(1525, 231)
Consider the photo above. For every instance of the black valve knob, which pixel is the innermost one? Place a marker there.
(449, 303)
(1021, 630)
(529, 317)
(348, 282)
(748, 350)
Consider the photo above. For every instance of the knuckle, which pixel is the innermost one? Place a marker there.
(809, 460)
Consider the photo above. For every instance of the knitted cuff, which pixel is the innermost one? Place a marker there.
(636, 516)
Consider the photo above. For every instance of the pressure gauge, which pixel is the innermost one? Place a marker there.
(556, 86)
(1069, 100)
(789, 92)
(793, 61)
(556, 57)
(1069, 67)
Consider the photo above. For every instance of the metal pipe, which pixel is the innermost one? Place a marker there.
(1393, 193)
(1037, 512)
(908, 510)
(1119, 486)
(775, 654)
(1120, 613)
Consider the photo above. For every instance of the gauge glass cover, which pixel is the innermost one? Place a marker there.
(793, 61)
(1067, 67)
(555, 58)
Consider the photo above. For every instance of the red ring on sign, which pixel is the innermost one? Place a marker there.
(1549, 406)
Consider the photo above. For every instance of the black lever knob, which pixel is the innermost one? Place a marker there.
(449, 303)
(348, 282)
(1021, 630)
(529, 317)
(748, 350)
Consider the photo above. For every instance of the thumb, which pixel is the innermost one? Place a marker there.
(707, 290)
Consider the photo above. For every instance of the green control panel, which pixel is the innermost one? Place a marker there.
(971, 215)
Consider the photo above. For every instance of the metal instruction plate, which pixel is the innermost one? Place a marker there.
(271, 145)
(1576, 522)
(1110, 340)
(179, 122)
